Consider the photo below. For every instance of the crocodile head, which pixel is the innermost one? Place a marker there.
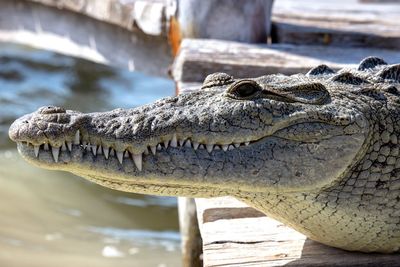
(274, 133)
(319, 152)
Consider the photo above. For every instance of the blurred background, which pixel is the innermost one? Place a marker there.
(97, 55)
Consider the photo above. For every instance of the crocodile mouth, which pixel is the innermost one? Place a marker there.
(78, 149)
(66, 152)
(289, 155)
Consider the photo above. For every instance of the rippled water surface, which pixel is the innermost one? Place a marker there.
(50, 218)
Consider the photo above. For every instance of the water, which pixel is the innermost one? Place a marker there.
(50, 218)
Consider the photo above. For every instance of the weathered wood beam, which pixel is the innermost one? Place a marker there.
(342, 23)
(198, 58)
(252, 239)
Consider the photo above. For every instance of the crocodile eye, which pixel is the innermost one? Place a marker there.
(244, 89)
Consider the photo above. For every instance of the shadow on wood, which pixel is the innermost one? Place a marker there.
(322, 255)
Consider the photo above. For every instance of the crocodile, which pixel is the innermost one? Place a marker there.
(317, 151)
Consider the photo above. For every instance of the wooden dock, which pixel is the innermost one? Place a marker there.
(237, 235)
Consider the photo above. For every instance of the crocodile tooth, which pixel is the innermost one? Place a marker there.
(246, 143)
(146, 151)
(76, 139)
(106, 151)
(99, 150)
(69, 145)
(137, 159)
(174, 142)
(120, 156)
(126, 154)
(63, 147)
(153, 149)
(181, 142)
(225, 147)
(84, 144)
(236, 144)
(166, 144)
(231, 147)
(46, 146)
(36, 149)
(202, 146)
(159, 147)
(188, 143)
(195, 145)
(55, 151)
(88, 147)
(216, 147)
(112, 152)
(94, 150)
(209, 148)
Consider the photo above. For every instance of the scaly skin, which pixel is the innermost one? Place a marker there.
(318, 152)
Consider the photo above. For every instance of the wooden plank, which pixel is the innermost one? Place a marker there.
(198, 58)
(258, 240)
(338, 23)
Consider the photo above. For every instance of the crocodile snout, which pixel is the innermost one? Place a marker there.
(49, 124)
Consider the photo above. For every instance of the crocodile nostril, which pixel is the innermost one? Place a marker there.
(51, 110)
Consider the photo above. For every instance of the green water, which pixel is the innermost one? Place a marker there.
(52, 218)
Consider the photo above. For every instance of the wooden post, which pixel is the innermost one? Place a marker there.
(191, 240)
(237, 20)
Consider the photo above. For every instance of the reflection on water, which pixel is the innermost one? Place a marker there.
(52, 218)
